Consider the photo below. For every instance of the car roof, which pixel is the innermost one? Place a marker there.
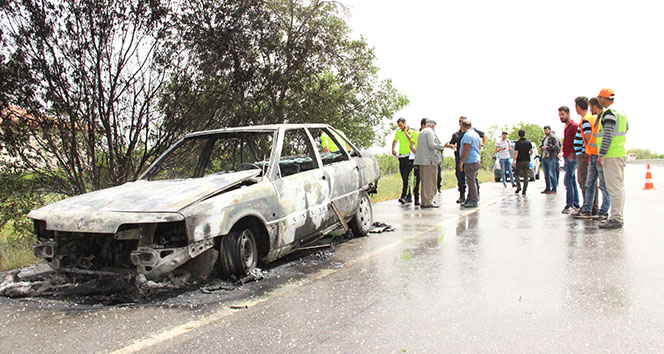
(256, 129)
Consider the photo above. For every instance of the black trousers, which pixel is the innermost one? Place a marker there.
(405, 167)
(461, 182)
(416, 190)
(522, 170)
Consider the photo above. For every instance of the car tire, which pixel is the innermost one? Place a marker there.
(238, 252)
(496, 178)
(363, 218)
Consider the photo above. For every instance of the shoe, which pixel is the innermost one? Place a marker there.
(517, 191)
(417, 201)
(523, 192)
(546, 191)
(429, 206)
(552, 192)
(568, 210)
(402, 200)
(611, 224)
(469, 205)
(461, 200)
(600, 217)
(409, 199)
(582, 215)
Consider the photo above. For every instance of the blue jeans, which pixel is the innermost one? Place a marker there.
(550, 174)
(570, 183)
(505, 167)
(595, 171)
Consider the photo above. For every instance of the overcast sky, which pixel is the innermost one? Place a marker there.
(501, 62)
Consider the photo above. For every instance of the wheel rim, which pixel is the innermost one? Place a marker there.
(365, 212)
(247, 249)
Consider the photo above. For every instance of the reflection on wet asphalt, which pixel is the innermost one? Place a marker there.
(515, 275)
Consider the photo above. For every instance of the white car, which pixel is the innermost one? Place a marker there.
(227, 197)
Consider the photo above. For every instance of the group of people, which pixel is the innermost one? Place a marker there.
(595, 147)
(421, 151)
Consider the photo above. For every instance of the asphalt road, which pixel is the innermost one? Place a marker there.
(514, 275)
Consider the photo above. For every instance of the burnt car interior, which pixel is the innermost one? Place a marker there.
(201, 156)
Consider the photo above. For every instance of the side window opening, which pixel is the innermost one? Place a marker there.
(341, 137)
(327, 144)
(297, 154)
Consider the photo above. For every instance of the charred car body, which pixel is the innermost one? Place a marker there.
(229, 197)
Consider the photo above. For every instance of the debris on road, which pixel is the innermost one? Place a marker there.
(222, 285)
(380, 227)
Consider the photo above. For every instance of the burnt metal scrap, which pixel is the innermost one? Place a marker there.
(380, 227)
(219, 200)
(41, 281)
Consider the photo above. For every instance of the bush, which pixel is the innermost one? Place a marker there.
(388, 164)
(16, 250)
(19, 194)
(449, 163)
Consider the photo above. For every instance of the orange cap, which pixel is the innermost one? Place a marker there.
(606, 93)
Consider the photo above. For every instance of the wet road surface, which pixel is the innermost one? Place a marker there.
(515, 275)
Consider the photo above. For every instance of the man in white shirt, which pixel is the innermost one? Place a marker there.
(503, 148)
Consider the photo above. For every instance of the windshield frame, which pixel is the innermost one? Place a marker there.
(149, 172)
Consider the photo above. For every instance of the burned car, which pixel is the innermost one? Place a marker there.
(226, 198)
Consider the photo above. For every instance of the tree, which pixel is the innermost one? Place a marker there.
(534, 132)
(93, 90)
(488, 151)
(645, 154)
(278, 61)
(85, 76)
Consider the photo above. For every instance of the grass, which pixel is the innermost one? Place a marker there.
(15, 252)
(389, 187)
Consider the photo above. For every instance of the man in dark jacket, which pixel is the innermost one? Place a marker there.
(550, 149)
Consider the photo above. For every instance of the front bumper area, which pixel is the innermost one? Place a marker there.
(156, 263)
(153, 263)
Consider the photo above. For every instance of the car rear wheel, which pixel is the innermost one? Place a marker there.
(363, 218)
(238, 253)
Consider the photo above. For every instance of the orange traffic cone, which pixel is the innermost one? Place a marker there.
(649, 184)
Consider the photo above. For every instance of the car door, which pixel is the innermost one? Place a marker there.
(302, 189)
(341, 172)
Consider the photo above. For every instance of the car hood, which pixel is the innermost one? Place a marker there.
(148, 197)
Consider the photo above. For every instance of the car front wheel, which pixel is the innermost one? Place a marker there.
(238, 253)
(363, 218)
